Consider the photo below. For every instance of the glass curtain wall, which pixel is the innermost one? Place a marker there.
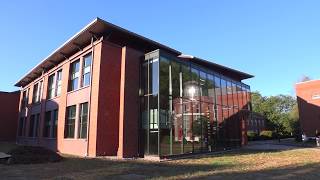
(186, 108)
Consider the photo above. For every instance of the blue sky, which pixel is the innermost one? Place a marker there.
(277, 41)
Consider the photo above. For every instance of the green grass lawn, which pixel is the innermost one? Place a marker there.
(239, 164)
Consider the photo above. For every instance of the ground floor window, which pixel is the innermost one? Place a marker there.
(55, 123)
(83, 120)
(50, 124)
(47, 124)
(34, 125)
(69, 129)
(21, 126)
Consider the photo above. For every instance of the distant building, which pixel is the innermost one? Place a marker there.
(9, 109)
(308, 97)
(108, 91)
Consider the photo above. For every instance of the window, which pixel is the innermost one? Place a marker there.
(37, 91)
(47, 124)
(55, 123)
(21, 126)
(58, 82)
(70, 122)
(51, 86)
(86, 70)
(25, 98)
(83, 121)
(74, 75)
(34, 124)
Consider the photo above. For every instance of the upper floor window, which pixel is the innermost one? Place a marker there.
(25, 98)
(37, 91)
(51, 86)
(74, 75)
(86, 70)
(58, 82)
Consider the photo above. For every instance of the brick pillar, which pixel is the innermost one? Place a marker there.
(129, 103)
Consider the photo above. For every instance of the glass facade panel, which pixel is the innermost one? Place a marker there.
(185, 108)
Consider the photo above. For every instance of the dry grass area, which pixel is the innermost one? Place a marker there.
(240, 164)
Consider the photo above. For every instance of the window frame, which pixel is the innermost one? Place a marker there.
(58, 82)
(47, 125)
(51, 86)
(86, 70)
(74, 75)
(81, 134)
(68, 122)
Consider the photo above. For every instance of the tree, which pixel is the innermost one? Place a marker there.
(280, 111)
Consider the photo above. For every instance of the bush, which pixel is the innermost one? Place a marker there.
(252, 136)
(32, 155)
(266, 135)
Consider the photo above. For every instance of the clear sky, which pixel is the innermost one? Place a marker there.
(277, 41)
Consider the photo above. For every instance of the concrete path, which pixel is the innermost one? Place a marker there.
(272, 145)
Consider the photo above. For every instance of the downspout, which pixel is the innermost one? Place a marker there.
(90, 95)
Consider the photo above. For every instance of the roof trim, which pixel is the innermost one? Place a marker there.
(56, 51)
(101, 27)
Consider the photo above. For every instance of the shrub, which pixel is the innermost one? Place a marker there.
(33, 155)
(266, 134)
(252, 135)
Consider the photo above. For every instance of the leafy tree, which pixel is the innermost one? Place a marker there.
(280, 111)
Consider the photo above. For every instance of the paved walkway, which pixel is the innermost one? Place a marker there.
(285, 144)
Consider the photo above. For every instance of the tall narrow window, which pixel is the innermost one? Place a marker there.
(35, 95)
(51, 86)
(58, 82)
(86, 70)
(37, 91)
(24, 101)
(31, 127)
(47, 124)
(55, 123)
(83, 121)
(34, 125)
(21, 126)
(74, 75)
(70, 122)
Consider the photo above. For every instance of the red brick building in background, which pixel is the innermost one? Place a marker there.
(9, 111)
(110, 92)
(308, 97)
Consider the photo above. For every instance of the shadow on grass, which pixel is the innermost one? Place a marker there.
(307, 171)
(79, 168)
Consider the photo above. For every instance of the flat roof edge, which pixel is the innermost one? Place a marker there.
(17, 84)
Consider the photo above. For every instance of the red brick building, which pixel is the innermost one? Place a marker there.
(9, 111)
(108, 91)
(308, 97)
